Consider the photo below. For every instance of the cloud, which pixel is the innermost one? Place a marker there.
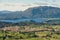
(11, 7)
(22, 7)
(15, 7)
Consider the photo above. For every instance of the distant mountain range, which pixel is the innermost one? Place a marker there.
(30, 13)
(41, 14)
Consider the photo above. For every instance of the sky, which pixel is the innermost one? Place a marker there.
(20, 5)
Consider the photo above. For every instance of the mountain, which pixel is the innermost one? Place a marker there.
(40, 14)
(31, 13)
(8, 15)
(43, 12)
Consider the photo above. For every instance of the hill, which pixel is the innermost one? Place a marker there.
(34, 12)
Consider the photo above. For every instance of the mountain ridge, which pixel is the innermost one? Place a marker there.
(33, 12)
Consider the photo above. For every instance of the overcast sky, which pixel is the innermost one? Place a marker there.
(29, 1)
(23, 4)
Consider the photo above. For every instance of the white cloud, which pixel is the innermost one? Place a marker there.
(22, 7)
(15, 7)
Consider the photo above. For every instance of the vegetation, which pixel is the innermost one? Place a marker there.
(31, 32)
